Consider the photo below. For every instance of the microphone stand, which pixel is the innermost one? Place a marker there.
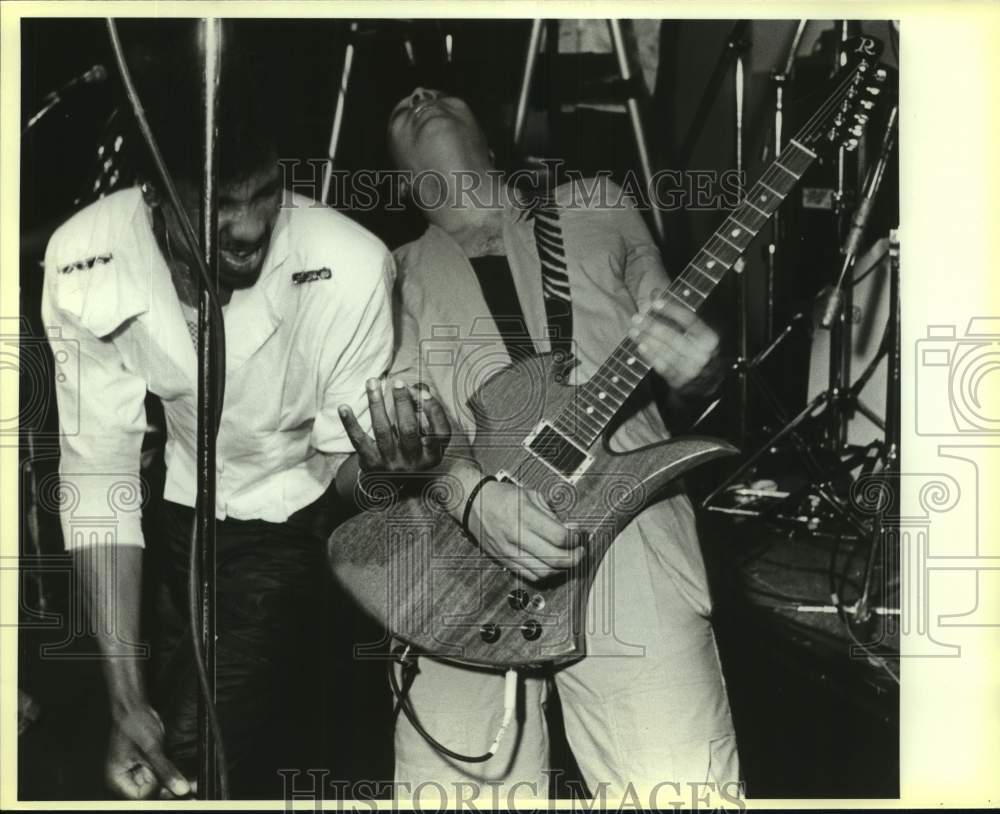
(834, 304)
(780, 80)
(733, 50)
(208, 399)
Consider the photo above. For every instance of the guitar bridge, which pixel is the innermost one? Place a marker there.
(557, 451)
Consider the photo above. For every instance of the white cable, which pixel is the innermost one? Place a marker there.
(509, 705)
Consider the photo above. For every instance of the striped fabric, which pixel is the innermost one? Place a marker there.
(544, 214)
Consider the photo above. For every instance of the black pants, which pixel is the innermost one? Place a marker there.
(274, 623)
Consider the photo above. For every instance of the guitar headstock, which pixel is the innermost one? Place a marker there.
(854, 92)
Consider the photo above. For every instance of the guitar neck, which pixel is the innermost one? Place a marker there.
(599, 400)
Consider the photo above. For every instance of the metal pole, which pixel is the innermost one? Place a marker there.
(338, 114)
(534, 41)
(742, 279)
(635, 115)
(780, 80)
(840, 338)
(207, 395)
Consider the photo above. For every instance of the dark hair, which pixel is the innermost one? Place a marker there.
(166, 62)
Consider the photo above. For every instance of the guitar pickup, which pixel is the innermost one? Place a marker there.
(557, 451)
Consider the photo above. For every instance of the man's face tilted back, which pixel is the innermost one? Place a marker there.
(248, 209)
(429, 130)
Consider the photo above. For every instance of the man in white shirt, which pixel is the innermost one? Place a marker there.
(306, 304)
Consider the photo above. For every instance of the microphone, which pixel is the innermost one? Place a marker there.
(94, 74)
(860, 220)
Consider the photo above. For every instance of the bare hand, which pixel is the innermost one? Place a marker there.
(679, 346)
(518, 529)
(417, 442)
(136, 766)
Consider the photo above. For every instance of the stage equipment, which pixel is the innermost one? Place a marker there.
(732, 55)
(822, 406)
(633, 89)
(449, 598)
(213, 777)
(401, 32)
(338, 113)
(211, 371)
(773, 258)
(93, 75)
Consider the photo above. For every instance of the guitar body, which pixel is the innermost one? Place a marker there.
(408, 563)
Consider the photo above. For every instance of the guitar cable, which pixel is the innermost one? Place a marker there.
(410, 670)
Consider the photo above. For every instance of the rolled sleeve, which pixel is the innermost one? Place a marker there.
(358, 347)
(643, 272)
(102, 420)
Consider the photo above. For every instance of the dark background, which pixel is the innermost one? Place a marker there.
(811, 721)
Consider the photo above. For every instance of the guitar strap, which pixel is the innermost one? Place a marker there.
(545, 215)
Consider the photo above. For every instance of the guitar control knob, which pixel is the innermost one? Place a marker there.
(531, 630)
(518, 599)
(489, 632)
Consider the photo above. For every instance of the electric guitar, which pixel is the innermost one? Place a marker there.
(410, 564)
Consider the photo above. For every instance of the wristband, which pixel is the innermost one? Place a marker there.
(468, 505)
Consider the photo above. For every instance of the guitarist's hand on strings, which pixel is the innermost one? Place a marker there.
(517, 528)
(679, 346)
(416, 443)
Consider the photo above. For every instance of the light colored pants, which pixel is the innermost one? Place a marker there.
(646, 706)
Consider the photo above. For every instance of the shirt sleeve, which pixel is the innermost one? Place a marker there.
(102, 420)
(643, 271)
(406, 359)
(358, 347)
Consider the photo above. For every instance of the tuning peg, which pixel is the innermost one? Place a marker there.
(851, 145)
(872, 90)
(860, 118)
(880, 75)
(867, 104)
(857, 130)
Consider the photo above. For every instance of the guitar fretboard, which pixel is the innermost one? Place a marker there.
(603, 395)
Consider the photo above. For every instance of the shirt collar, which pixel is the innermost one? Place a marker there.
(252, 314)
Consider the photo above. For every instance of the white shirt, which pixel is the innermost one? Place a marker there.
(301, 341)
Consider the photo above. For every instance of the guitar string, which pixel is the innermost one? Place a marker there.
(556, 448)
(800, 160)
(797, 164)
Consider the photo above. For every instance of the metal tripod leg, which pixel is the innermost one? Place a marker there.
(631, 104)
(635, 115)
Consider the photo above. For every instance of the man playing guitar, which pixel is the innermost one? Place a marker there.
(494, 278)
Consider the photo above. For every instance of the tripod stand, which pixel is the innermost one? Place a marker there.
(634, 91)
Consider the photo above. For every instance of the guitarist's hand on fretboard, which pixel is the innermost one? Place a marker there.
(517, 528)
(680, 347)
